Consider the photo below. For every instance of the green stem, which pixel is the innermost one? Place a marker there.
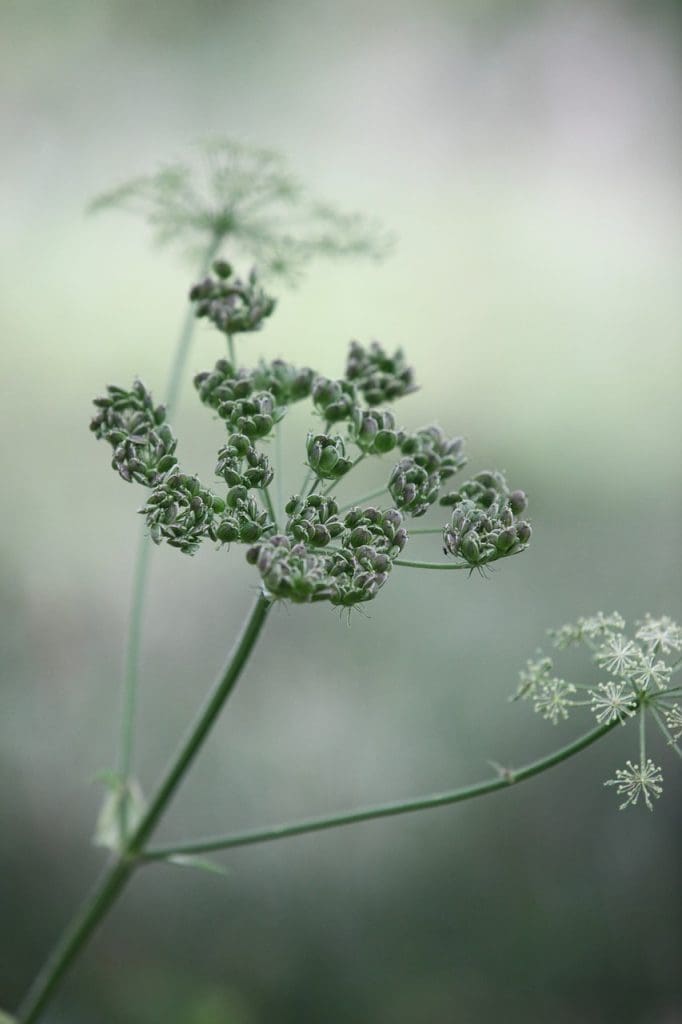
(270, 507)
(665, 730)
(335, 483)
(177, 372)
(119, 872)
(279, 471)
(364, 498)
(141, 569)
(430, 565)
(231, 352)
(508, 777)
(140, 578)
(313, 487)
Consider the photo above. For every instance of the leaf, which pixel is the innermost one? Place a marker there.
(200, 863)
(121, 811)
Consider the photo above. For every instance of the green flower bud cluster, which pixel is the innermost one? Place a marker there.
(222, 384)
(319, 553)
(372, 540)
(287, 383)
(412, 488)
(243, 520)
(126, 412)
(345, 576)
(380, 377)
(434, 451)
(290, 571)
(235, 398)
(143, 444)
(182, 512)
(254, 416)
(486, 489)
(145, 459)
(430, 458)
(327, 456)
(485, 524)
(232, 305)
(239, 463)
(334, 399)
(314, 520)
(373, 431)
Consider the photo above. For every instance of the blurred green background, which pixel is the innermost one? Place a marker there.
(527, 155)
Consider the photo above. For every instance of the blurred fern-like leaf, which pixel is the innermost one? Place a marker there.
(247, 196)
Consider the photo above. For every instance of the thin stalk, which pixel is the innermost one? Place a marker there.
(268, 504)
(177, 372)
(118, 873)
(507, 777)
(665, 730)
(132, 660)
(430, 565)
(364, 498)
(317, 480)
(328, 490)
(279, 470)
(142, 558)
(230, 351)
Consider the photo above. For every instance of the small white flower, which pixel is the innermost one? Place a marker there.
(618, 655)
(673, 719)
(663, 634)
(651, 671)
(637, 780)
(535, 674)
(602, 625)
(552, 700)
(590, 628)
(613, 702)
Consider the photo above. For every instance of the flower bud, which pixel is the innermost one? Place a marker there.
(523, 532)
(518, 502)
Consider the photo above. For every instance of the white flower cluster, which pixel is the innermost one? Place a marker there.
(640, 684)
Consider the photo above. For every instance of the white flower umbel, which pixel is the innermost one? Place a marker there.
(613, 702)
(651, 672)
(637, 780)
(618, 655)
(661, 634)
(591, 628)
(553, 699)
(537, 673)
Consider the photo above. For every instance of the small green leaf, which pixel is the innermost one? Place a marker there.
(200, 863)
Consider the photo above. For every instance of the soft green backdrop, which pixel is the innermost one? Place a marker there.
(527, 155)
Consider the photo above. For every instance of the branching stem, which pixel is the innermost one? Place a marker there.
(365, 497)
(506, 778)
(431, 565)
(119, 871)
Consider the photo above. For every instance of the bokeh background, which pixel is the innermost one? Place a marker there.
(527, 156)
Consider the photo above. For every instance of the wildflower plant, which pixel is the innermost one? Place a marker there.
(305, 543)
(634, 680)
(311, 549)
